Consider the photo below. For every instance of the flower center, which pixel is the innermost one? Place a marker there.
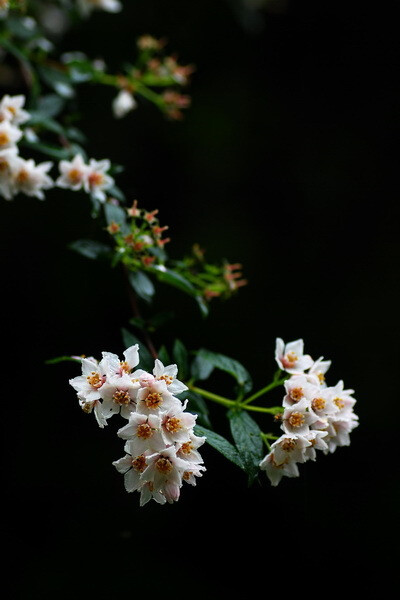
(23, 176)
(4, 139)
(164, 465)
(3, 165)
(296, 394)
(95, 179)
(290, 359)
(186, 448)
(75, 176)
(154, 400)
(339, 403)
(121, 397)
(296, 419)
(321, 377)
(125, 367)
(173, 424)
(288, 444)
(95, 380)
(144, 431)
(318, 404)
(167, 378)
(187, 474)
(139, 463)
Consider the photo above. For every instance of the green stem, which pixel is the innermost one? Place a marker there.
(233, 403)
(265, 390)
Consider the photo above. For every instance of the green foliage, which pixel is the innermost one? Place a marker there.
(248, 439)
(206, 361)
(221, 444)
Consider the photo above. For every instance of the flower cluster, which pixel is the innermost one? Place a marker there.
(161, 449)
(92, 177)
(20, 175)
(314, 417)
(139, 246)
(16, 173)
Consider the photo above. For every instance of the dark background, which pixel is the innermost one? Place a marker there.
(286, 162)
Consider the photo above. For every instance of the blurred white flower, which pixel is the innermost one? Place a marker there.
(123, 103)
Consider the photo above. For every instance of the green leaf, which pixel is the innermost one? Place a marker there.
(114, 213)
(198, 406)
(221, 444)
(142, 285)
(175, 279)
(58, 359)
(48, 149)
(91, 249)
(247, 436)
(201, 368)
(227, 364)
(146, 360)
(202, 304)
(164, 356)
(48, 106)
(181, 358)
(58, 80)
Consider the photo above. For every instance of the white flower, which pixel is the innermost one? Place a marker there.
(11, 109)
(7, 159)
(297, 419)
(164, 471)
(168, 374)
(143, 432)
(276, 471)
(317, 442)
(177, 424)
(188, 450)
(9, 135)
(87, 6)
(299, 387)
(113, 366)
(132, 467)
(72, 173)
(290, 448)
(94, 406)
(156, 397)
(119, 396)
(123, 103)
(31, 179)
(92, 379)
(291, 358)
(97, 182)
(323, 406)
(319, 368)
(339, 432)
(343, 401)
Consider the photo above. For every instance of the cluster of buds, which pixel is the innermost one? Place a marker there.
(139, 246)
(211, 280)
(16, 173)
(314, 416)
(161, 449)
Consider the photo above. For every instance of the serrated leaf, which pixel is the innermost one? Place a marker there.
(181, 358)
(175, 279)
(247, 436)
(146, 361)
(142, 285)
(48, 106)
(221, 444)
(114, 213)
(227, 364)
(91, 249)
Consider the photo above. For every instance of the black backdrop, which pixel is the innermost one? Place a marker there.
(286, 162)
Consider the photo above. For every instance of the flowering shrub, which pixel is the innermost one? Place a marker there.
(157, 392)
